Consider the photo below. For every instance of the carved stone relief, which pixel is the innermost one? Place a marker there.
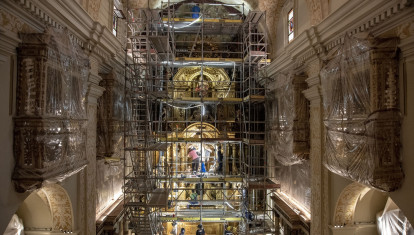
(60, 207)
(346, 204)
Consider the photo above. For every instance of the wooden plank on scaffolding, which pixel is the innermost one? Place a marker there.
(263, 185)
(254, 98)
(254, 142)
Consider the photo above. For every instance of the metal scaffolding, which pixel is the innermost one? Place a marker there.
(256, 175)
(185, 70)
(147, 178)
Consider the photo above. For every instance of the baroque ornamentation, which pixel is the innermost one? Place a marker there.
(60, 207)
(346, 204)
(50, 122)
(215, 79)
(362, 117)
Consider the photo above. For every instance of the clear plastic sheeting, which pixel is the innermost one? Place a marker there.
(64, 79)
(15, 226)
(50, 122)
(353, 138)
(345, 87)
(288, 141)
(110, 120)
(394, 222)
(295, 181)
(109, 178)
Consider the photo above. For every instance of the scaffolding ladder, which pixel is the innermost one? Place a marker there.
(257, 208)
(147, 179)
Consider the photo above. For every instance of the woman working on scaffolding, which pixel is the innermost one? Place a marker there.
(195, 157)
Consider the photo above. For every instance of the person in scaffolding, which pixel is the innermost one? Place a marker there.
(195, 157)
(174, 229)
(200, 230)
(220, 161)
(192, 198)
(195, 11)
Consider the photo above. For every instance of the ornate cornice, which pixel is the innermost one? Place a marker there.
(353, 17)
(90, 35)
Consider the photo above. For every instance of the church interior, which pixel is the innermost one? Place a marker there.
(234, 117)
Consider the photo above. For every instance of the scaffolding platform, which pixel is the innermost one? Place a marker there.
(266, 184)
(254, 98)
(207, 59)
(207, 100)
(253, 142)
(204, 140)
(207, 179)
(218, 219)
(153, 147)
(233, 21)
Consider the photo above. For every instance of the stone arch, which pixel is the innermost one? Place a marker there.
(60, 206)
(48, 207)
(347, 201)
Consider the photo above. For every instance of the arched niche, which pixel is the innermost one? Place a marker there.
(48, 209)
(356, 210)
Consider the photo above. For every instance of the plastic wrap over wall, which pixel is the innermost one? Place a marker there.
(295, 181)
(110, 118)
(15, 226)
(109, 178)
(362, 130)
(289, 135)
(394, 222)
(57, 87)
(50, 124)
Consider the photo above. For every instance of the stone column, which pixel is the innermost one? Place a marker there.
(319, 180)
(87, 178)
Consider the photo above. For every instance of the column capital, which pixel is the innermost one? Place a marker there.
(313, 94)
(94, 92)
